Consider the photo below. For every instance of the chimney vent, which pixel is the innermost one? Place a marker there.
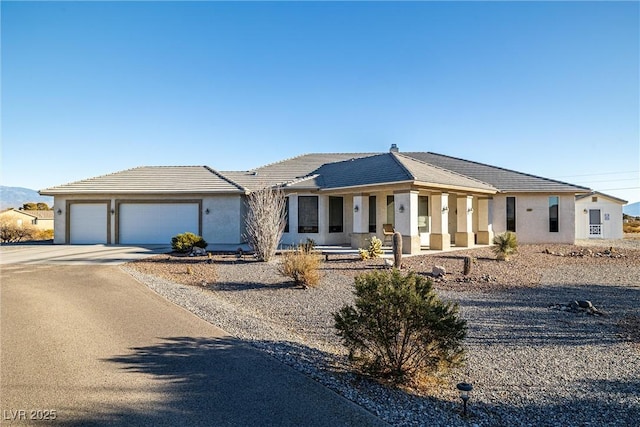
(394, 148)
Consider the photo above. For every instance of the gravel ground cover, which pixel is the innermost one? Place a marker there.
(531, 362)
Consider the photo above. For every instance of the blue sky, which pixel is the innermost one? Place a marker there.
(546, 88)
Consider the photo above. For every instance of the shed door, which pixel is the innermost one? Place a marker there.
(156, 223)
(595, 223)
(88, 223)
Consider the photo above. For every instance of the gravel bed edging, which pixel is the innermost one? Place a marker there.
(530, 365)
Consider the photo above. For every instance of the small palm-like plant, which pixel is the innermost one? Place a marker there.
(505, 245)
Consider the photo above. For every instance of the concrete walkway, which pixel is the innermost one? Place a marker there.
(89, 345)
(76, 254)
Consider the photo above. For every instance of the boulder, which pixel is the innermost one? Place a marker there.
(438, 271)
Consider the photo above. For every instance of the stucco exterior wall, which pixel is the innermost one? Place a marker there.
(21, 219)
(611, 217)
(224, 223)
(532, 217)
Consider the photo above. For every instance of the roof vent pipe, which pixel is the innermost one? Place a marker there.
(394, 148)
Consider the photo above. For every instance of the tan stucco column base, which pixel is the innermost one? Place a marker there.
(485, 237)
(360, 240)
(439, 242)
(465, 240)
(410, 244)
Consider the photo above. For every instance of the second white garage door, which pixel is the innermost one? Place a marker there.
(156, 223)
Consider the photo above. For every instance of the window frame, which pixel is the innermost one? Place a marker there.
(554, 217)
(313, 217)
(511, 207)
(336, 214)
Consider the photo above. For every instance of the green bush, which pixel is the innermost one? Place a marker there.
(505, 244)
(302, 266)
(399, 328)
(184, 242)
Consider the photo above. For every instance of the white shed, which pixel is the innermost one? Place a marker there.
(599, 216)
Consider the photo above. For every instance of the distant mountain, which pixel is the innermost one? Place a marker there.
(15, 197)
(633, 209)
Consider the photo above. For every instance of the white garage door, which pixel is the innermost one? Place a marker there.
(156, 223)
(88, 223)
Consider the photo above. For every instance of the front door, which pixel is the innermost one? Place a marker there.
(595, 223)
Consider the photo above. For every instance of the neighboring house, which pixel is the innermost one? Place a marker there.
(599, 215)
(40, 219)
(433, 200)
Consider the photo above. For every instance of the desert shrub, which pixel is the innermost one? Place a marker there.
(308, 246)
(184, 242)
(10, 232)
(373, 251)
(265, 222)
(505, 245)
(399, 328)
(43, 235)
(301, 266)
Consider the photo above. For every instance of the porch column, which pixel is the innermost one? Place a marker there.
(439, 238)
(464, 236)
(485, 228)
(360, 232)
(406, 215)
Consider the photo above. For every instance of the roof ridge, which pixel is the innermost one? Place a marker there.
(312, 154)
(510, 170)
(394, 156)
(447, 170)
(221, 176)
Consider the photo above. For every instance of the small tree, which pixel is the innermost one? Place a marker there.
(399, 327)
(266, 219)
(505, 244)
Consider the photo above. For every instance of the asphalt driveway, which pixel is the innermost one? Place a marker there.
(89, 345)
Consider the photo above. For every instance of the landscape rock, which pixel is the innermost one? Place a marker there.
(438, 271)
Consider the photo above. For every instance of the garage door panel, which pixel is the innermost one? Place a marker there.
(88, 223)
(156, 223)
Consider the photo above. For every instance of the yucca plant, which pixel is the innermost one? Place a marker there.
(505, 245)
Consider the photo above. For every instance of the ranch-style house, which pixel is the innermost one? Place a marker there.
(435, 201)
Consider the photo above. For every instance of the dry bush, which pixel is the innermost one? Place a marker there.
(265, 221)
(10, 232)
(302, 267)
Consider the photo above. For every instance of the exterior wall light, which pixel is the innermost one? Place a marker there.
(445, 208)
(356, 208)
(585, 211)
(470, 210)
(401, 208)
(113, 211)
(465, 390)
(207, 211)
(59, 211)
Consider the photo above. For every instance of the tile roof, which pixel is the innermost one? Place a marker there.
(504, 179)
(152, 179)
(36, 213)
(289, 170)
(317, 171)
(386, 168)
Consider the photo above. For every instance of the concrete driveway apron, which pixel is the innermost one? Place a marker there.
(89, 345)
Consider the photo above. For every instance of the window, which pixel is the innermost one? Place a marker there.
(286, 214)
(423, 214)
(553, 214)
(307, 214)
(391, 215)
(335, 215)
(372, 214)
(511, 214)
